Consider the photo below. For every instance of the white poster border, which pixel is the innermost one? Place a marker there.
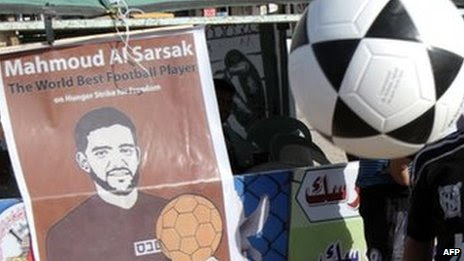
(229, 194)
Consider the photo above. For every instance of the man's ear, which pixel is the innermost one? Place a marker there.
(82, 161)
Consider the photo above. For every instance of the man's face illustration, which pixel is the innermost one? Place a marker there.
(112, 158)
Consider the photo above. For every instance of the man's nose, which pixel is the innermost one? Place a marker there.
(118, 161)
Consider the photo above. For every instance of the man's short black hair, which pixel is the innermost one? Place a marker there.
(100, 118)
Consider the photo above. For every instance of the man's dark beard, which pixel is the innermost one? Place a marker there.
(104, 184)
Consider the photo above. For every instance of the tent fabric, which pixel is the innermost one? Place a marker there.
(85, 8)
(89, 8)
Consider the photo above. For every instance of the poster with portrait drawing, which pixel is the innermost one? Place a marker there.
(117, 147)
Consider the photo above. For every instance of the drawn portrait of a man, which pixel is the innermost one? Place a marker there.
(111, 224)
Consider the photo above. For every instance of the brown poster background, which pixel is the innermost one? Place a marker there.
(172, 128)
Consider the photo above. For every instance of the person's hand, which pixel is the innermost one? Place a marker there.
(399, 171)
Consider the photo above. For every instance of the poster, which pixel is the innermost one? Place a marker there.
(325, 222)
(117, 148)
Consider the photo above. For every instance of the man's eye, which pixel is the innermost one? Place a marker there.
(101, 153)
(127, 151)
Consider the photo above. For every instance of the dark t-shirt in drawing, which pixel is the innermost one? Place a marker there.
(96, 230)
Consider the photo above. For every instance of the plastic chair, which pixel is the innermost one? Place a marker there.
(262, 131)
(296, 150)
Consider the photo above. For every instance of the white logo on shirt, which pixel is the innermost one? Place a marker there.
(450, 200)
(147, 247)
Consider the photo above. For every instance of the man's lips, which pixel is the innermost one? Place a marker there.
(119, 172)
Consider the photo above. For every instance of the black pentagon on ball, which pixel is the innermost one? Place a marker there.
(445, 66)
(300, 37)
(347, 124)
(394, 22)
(417, 131)
(334, 57)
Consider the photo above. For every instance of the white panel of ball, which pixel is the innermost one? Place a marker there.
(448, 108)
(312, 98)
(388, 83)
(341, 19)
(380, 146)
(437, 22)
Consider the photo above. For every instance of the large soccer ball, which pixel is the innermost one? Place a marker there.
(382, 78)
